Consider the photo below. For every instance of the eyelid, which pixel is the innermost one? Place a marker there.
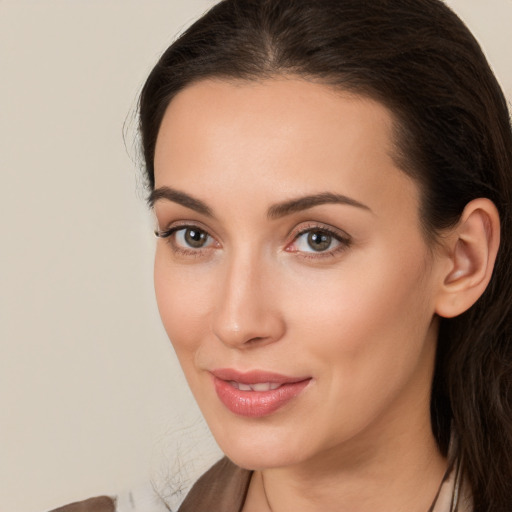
(303, 228)
(341, 236)
(183, 250)
(320, 226)
(174, 226)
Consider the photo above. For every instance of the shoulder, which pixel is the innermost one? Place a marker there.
(140, 499)
(224, 484)
(98, 504)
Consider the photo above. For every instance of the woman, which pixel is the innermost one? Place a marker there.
(332, 187)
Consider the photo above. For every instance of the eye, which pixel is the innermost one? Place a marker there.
(192, 237)
(317, 241)
(187, 237)
(320, 240)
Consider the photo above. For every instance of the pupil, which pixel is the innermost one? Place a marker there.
(195, 238)
(319, 241)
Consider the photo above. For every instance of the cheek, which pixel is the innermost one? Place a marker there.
(371, 315)
(182, 303)
(366, 334)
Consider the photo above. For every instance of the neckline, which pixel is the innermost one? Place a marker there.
(227, 485)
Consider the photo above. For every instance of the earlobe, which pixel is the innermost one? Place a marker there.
(472, 253)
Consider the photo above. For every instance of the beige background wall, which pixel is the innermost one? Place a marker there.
(91, 397)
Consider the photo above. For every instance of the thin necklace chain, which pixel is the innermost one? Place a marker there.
(455, 497)
(265, 493)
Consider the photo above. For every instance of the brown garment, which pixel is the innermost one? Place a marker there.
(99, 504)
(223, 488)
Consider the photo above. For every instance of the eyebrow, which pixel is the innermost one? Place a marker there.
(179, 197)
(306, 202)
(274, 212)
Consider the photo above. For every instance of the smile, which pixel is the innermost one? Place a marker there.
(260, 386)
(256, 394)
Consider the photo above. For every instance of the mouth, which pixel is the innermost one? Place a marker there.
(259, 386)
(257, 393)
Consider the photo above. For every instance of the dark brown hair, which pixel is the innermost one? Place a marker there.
(453, 136)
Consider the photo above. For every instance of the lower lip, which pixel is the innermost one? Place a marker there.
(255, 404)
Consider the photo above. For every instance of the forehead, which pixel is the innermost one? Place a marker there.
(289, 109)
(278, 137)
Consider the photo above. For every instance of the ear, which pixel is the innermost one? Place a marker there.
(471, 249)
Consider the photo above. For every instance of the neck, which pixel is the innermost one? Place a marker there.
(401, 473)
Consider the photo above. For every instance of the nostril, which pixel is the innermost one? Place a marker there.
(246, 325)
(255, 340)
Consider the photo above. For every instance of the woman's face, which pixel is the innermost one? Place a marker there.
(293, 278)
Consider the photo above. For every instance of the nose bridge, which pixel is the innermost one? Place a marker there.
(245, 310)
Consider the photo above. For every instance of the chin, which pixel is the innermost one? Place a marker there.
(256, 460)
(261, 451)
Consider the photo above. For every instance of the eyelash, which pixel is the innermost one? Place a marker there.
(343, 239)
(168, 235)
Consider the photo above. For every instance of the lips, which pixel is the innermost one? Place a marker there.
(257, 393)
(259, 386)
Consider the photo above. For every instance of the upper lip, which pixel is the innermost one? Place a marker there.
(254, 376)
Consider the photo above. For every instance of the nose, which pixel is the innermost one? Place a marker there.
(247, 311)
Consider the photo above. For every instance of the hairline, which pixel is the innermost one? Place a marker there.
(399, 129)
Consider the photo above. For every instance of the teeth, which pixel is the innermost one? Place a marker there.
(264, 386)
(259, 386)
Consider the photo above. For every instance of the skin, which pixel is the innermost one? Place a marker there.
(358, 318)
